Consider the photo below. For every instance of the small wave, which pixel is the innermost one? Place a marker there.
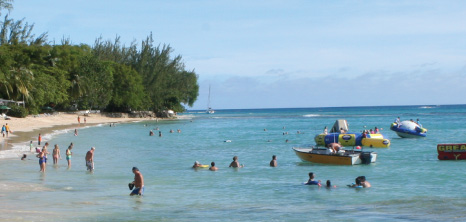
(312, 115)
(426, 107)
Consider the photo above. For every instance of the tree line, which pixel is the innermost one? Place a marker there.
(105, 76)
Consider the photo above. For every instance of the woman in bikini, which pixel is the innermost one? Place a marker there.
(56, 154)
(68, 155)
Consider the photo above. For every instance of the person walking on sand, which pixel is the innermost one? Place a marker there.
(68, 154)
(85, 120)
(235, 163)
(7, 128)
(39, 140)
(56, 154)
(90, 159)
(79, 119)
(138, 183)
(273, 162)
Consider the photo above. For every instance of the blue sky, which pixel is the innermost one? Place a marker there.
(273, 54)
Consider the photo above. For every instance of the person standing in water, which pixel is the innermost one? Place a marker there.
(39, 140)
(213, 167)
(41, 161)
(31, 146)
(273, 162)
(90, 159)
(138, 183)
(235, 163)
(68, 154)
(56, 154)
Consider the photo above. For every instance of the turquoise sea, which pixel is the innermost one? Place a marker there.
(408, 182)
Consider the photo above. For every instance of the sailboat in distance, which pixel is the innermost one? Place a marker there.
(209, 109)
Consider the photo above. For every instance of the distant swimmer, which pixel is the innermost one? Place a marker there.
(178, 130)
(171, 131)
(273, 162)
(90, 159)
(213, 167)
(311, 180)
(138, 183)
(75, 132)
(235, 163)
(151, 133)
(364, 182)
(329, 184)
(196, 165)
(24, 157)
(160, 133)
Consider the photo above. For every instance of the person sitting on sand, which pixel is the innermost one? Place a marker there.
(311, 180)
(235, 163)
(213, 167)
(196, 165)
(273, 162)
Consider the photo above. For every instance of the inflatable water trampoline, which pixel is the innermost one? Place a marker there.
(350, 139)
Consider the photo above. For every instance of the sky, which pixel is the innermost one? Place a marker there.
(285, 54)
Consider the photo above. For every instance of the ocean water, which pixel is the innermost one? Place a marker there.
(408, 182)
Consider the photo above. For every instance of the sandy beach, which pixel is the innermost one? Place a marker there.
(26, 129)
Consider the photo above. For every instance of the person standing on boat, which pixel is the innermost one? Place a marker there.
(311, 180)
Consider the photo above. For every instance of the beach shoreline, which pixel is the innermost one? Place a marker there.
(27, 129)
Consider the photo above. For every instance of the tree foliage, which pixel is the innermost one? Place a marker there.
(107, 76)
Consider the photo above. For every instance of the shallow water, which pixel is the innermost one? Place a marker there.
(409, 183)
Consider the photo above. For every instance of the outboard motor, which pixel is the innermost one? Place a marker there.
(365, 157)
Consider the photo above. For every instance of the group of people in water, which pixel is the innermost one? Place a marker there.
(56, 154)
(398, 122)
(360, 182)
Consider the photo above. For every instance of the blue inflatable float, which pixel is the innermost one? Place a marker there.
(408, 129)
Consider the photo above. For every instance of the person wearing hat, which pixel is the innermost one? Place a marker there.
(196, 164)
(138, 183)
(90, 159)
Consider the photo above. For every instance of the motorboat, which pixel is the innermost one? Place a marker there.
(342, 157)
